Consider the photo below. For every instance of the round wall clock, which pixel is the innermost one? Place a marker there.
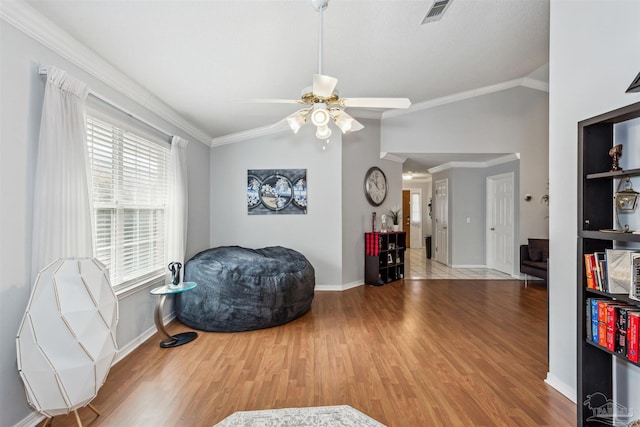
(375, 186)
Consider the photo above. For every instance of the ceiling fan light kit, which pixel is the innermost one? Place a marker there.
(322, 102)
(320, 116)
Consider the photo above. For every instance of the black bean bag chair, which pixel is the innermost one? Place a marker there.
(242, 289)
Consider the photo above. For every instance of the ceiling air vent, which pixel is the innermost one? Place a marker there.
(437, 10)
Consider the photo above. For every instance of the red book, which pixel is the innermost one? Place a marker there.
(602, 334)
(590, 267)
(632, 336)
(602, 323)
(613, 312)
(602, 311)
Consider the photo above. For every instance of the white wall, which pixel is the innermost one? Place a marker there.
(593, 58)
(20, 108)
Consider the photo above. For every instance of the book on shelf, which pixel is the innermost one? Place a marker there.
(613, 323)
(632, 336)
(599, 271)
(619, 271)
(589, 267)
(602, 323)
(623, 326)
(587, 324)
(634, 290)
(594, 319)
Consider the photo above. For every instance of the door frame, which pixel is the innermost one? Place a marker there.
(440, 255)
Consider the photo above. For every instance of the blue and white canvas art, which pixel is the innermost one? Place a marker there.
(276, 191)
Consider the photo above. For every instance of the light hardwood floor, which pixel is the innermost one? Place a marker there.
(410, 353)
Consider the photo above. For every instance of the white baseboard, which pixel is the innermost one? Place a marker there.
(467, 266)
(31, 421)
(135, 343)
(338, 288)
(561, 386)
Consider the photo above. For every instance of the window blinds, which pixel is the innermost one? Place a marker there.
(129, 175)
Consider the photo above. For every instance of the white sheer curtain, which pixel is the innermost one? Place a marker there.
(176, 213)
(62, 216)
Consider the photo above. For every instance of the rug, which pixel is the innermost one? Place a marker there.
(319, 416)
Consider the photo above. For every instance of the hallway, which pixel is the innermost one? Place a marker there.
(417, 266)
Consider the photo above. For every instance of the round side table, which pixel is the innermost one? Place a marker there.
(163, 291)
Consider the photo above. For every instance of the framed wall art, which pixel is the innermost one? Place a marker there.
(276, 191)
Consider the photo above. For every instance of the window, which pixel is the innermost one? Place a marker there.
(415, 208)
(129, 173)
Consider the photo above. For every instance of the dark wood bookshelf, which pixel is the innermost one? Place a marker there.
(596, 188)
(612, 353)
(385, 263)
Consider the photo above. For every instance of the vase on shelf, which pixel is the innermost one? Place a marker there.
(396, 227)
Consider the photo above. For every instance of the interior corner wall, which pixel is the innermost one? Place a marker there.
(318, 234)
(22, 91)
(360, 151)
(515, 120)
(593, 59)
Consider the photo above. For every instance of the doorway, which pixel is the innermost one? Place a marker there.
(500, 222)
(406, 215)
(441, 213)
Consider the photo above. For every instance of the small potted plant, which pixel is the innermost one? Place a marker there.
(395, 218)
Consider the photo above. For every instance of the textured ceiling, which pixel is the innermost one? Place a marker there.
(204, 57)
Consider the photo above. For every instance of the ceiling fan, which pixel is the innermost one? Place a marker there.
(321, 101)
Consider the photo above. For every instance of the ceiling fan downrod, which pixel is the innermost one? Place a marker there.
(320, 6)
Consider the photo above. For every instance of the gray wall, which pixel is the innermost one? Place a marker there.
(330, 235)
(21, 105)
(317, 234)
(591, 66)
(511, 121)
(360, 151)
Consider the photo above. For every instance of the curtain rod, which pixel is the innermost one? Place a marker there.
(43, 70)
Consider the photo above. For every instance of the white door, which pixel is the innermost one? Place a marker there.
(500, 222)
(442, 222)
(416, 217)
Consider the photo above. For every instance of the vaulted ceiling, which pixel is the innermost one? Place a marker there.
(204, 58)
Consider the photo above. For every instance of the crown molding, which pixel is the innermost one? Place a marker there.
(499, 160)
(249, 134)
(461, 96)
(366, 114)
(407, 182)
(35, 25)
(392, 157)
(486, 164)
(535, 84)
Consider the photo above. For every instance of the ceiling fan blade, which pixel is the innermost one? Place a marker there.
(376, 102)
(323, 86)
(274, 101)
